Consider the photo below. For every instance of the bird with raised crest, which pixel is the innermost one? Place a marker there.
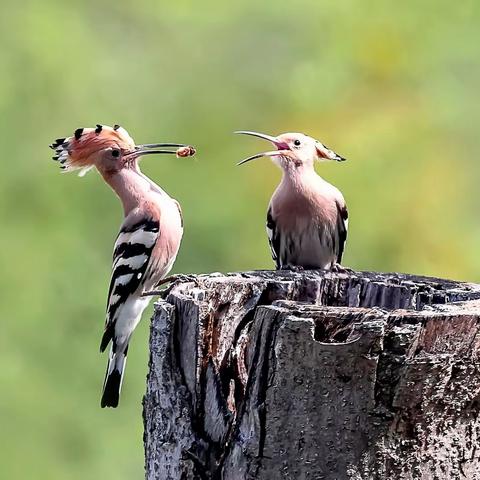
(149, 237)
(307, 217)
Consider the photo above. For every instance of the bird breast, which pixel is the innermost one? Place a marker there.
(299, 208)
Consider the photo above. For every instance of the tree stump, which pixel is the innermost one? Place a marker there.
(314, 375)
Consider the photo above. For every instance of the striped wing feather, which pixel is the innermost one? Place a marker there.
(273, 239)
(131, 256)
(342, 229)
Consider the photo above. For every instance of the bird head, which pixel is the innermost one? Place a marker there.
(109, 149)
(293, 150)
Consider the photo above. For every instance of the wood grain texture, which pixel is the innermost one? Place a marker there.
(314, 375)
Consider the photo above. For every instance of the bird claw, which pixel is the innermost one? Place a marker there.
(183, 278)
(173, 281)
(337, 268)
(292, 268)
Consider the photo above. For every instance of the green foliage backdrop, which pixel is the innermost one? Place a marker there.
(393, 86)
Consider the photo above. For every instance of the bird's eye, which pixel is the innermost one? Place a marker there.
(297, 143)
(115, 153)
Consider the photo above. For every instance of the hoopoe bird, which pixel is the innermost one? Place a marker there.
(307, 217)
(149, 236)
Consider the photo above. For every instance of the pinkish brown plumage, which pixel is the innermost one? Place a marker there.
(307, 217)
(149, 236)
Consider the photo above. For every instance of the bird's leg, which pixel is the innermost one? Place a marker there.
(337, 268)
(172, 280)
(292, 268)
(179, 278)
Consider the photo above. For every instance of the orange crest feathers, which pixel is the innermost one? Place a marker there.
(77, 152)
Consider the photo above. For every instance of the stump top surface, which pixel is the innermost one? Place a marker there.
(389, 291)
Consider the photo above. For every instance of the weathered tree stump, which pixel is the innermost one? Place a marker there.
(313, 375)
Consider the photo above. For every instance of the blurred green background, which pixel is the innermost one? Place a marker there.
(394, 87)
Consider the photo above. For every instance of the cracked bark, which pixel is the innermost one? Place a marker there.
(312, 375)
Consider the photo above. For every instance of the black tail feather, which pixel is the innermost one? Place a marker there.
(111, 390)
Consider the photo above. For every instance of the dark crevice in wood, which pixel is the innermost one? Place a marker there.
(329, 329)
(232, 373)
(262, 380)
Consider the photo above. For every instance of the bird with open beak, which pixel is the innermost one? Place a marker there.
(307, 217)
(149, 236)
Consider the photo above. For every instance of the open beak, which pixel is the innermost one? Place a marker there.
(158, 148)
(282, 147)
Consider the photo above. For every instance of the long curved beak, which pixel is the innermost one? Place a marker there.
(257, 134)
(157, 148)
(273, 153)
(141, 153)
(282, 147)
(161, 145)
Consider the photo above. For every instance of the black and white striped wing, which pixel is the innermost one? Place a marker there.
(131, 256)
(342, 228)
(273, 238)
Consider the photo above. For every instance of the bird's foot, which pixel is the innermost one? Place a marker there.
(337, 268)
(292, 268)
(172, 280)
(180, 278)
